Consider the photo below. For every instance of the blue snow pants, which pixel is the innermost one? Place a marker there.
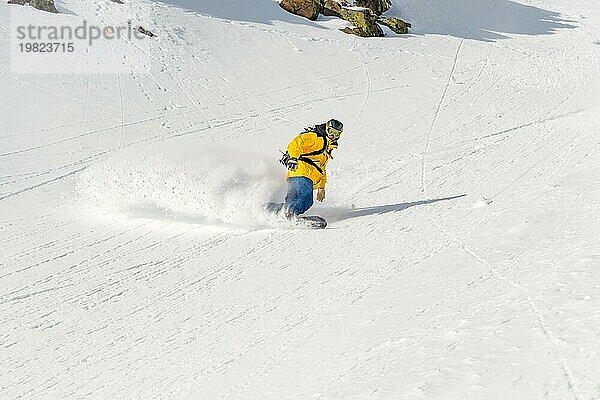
(299, 196)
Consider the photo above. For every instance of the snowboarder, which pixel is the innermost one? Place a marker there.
(306, 160)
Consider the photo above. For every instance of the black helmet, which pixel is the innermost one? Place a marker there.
(335, 124)
(334, 128)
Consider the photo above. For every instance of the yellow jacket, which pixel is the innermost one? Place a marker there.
(313, 151)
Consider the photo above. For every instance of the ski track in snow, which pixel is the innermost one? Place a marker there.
(134, 264)
(445, 92)
(538, 315)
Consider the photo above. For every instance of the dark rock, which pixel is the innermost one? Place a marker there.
(44, 5)
(145, 31)
(332, 8)
(305, 8)
(395, 24)
(377, 6)
(364, 21)
(354, 31)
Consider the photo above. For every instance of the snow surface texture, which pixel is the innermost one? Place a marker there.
(461, 260)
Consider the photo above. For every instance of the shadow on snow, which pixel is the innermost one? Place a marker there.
(341, 215)
(257, 11)
(485, 20)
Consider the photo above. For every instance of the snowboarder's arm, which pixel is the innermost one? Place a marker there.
(321, 183)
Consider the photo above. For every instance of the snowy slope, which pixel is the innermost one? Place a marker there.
(463, 248)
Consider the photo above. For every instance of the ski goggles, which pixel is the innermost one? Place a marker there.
(331, 131)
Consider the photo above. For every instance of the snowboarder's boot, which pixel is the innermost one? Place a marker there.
(274, 208)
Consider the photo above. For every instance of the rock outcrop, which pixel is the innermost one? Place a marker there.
(332, 8)
(395, 24)
(365, 15)
(364, 20)
(44, 5)
(305, 8)
(378, 7)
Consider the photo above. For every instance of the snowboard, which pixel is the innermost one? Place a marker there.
(312, 221)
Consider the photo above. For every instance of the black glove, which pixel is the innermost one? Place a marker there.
(284, 160)
(292, 164)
